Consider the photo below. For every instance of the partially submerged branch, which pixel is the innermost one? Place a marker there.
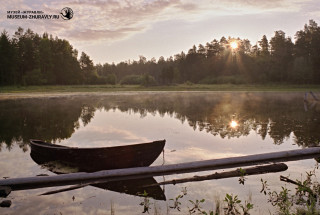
(278, 167)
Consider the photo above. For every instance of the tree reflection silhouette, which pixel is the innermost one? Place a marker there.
(278, 115)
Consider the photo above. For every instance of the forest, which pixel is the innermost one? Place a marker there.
(27, 58)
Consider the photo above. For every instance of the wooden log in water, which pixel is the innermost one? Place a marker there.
(272, 168)
(299, 184)
(142, 172)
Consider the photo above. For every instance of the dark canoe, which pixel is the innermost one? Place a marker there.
(96, 159)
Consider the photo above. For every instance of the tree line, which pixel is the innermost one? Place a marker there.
(30, 59)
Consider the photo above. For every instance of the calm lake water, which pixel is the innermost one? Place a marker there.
(196, 125)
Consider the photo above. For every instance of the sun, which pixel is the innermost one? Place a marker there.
(233, 124)
(234, 45)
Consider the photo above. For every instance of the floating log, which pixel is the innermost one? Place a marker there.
(278, 167)
(142, 172)
(299, 184)
(288, 180)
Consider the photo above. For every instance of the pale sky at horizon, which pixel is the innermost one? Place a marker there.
(119, 30)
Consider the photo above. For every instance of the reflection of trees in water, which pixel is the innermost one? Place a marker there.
(274, 114)
(47, 119)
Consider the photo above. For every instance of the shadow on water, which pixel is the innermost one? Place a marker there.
(275, 114)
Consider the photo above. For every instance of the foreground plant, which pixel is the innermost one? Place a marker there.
(305, 200)
(234, 205)
(176, 201)
(196, 206)
(146, 203)
(242, 177)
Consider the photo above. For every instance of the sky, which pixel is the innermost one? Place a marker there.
(121, 30)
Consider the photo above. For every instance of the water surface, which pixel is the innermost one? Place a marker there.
(196, 126)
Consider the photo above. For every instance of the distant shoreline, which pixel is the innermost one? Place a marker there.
(70, 90)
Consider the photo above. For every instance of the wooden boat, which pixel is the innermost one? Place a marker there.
(96, 159)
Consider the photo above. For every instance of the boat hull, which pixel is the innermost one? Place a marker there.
(96, 159)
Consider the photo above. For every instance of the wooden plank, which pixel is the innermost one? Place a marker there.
(141, 172)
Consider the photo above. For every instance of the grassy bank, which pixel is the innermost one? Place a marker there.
(180, 87)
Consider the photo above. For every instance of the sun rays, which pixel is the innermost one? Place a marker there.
(234, 45)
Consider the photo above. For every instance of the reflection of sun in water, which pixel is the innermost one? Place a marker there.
(234, 124)
(234, 45)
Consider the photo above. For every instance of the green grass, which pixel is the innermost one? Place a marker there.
(180, 87)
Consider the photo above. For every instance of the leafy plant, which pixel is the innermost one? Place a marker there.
(305, 200)
(176, 201)
(232, 203)
(282, 200)
(265, 187)
(146, 202)
(196, 206)
(246, 207)
(242, 176)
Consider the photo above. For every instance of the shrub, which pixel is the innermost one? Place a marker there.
(234, 79)
(208, 80)
(189, 83)
(148, 80)
(111, 79)
(132, 79)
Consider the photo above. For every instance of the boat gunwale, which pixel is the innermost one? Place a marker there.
(61, 147)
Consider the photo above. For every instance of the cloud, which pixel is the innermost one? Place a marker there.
(10, 5)
(256, 3)
(197, 154)
(114, 20)
(88, 34)
(14, 5)
(312, 9)
(95, 136)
